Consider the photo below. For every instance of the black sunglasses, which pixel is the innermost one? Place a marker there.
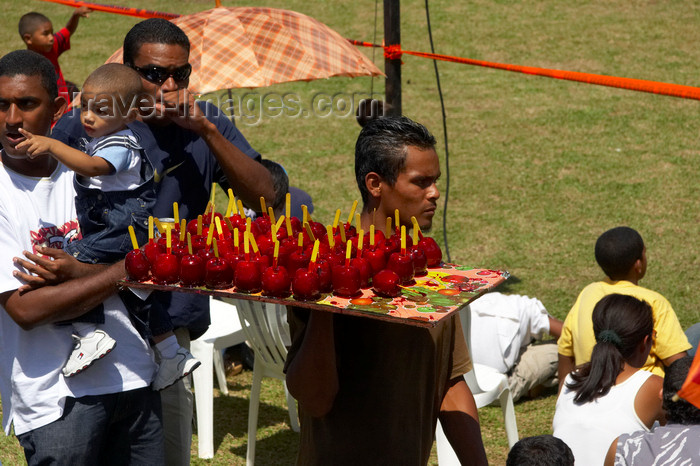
(158, 74)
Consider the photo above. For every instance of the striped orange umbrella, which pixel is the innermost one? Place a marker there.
(256, 47)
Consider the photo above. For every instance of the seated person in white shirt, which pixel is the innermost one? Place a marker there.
(611, 395)
(503, 328)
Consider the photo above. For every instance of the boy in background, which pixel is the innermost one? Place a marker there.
(621, 253)
(114, 186)
(36, 31)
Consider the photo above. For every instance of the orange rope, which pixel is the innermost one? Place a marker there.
(121, 10)
(394, 52)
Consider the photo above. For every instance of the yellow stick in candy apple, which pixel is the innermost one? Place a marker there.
(228, 208)
(271, 214)
(387, 230)
(200, 220)
(228, 223)
(397, 221)
(168, 241)
(416, 230)
(219, 230)
(309, 231)
(278, 225)
(176, 213)
(314, 251)
(253, 243)
(189, 244)
(241, 211)
(132, 235)
(352, 212)
(231, 203)
(331, 240)
(210, 235)
(403, 239)
(216, 249)
(275, 254)
(183, 229)
(288, 222)
(348, 253)
(246, 245)
(288, 205)
(341, 230)
(150, 228)
(314, 255)
(304, 213)
(371, 235)
(336, 219)
(161, 228)
(263, 206)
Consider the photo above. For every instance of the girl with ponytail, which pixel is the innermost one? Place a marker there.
(610, 395)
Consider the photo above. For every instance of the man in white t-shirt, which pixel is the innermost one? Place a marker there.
(503, 328)
(95, 417)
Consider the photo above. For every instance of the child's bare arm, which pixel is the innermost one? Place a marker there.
(82, 12)
(78, 161)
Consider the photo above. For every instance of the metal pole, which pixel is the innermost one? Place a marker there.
(392, 68)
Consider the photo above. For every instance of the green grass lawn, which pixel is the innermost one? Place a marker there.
(538, 167)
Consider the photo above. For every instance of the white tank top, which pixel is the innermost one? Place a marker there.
(589, 428)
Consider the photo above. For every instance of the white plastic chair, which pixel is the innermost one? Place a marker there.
(488, 386)
(225, 330)
(265, 326)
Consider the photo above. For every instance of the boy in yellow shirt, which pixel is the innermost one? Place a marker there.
(620, 252)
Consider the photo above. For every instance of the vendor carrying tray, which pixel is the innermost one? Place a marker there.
(432, 298)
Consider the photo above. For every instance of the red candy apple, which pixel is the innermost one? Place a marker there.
(262, 261)
(376, 258)
(217, 273)
(247, 277)
(325, 277)
(137, 266)
(346, 280)
(305, 285)
(276, 282)
(391, 245)
(199, 242)
(166, 269)
(206, 253)
(363, 266)
(319, 229)
(192, 268)
(432, 251)
(152, 250)
(402, 264)
(261, 226)
(386, 283)
(420, 260)
(297, 260)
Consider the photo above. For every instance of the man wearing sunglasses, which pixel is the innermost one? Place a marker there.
(190, 145)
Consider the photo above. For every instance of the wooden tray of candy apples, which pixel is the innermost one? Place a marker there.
(386, 275)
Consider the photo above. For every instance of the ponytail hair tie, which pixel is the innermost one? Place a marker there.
(609, 336)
